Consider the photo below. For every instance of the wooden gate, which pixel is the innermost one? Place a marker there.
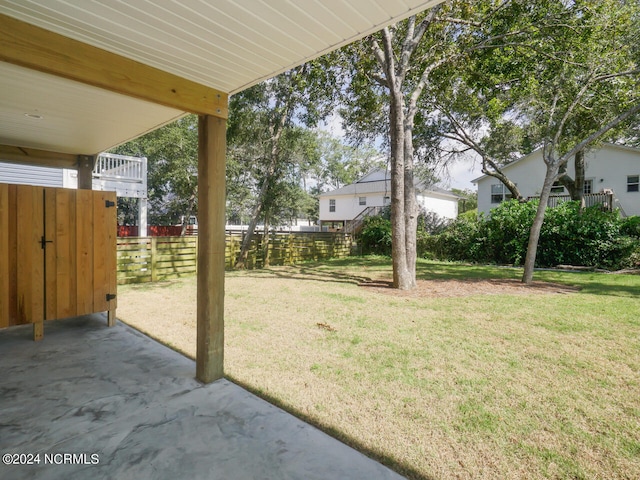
(57, 254)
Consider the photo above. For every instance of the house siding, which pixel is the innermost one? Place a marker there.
(607, 167)
(440, 205)
(19, 174)
(348, 206)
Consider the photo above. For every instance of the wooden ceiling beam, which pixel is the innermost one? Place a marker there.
(39, 49)
(32, 156)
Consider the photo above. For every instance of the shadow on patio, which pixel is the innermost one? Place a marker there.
(114, 392)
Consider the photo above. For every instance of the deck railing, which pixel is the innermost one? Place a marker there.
(605, 200)
(126, 175)
(120, 167)
(354, 226)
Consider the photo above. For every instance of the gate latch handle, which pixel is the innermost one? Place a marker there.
(44, 242)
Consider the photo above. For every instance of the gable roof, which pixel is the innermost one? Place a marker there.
(526, 157)
(374, 182)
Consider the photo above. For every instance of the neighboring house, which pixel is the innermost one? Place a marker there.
(613, 169)
(372, 192)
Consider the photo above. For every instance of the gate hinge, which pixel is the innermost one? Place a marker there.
(109, 203)
(110, 296)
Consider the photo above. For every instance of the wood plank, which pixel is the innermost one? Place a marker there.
(84, 252)
(32, 156)
(50, 255)
(66, 294)
(4, 255)
(100, 253)
(13, 254)
(211, 249)
(30, 275)
(34, 47)
(111, 259)
(38, 330)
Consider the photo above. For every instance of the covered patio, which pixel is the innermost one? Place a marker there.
(88, 389)
(78, 78)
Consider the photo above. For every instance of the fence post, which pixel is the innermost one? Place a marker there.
(154, 267)
(290, 248)
(196, 239)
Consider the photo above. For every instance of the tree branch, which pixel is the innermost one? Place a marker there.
(594, 136)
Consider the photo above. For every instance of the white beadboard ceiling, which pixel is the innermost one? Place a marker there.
(228, 45)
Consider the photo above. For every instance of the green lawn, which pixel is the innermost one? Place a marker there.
(491, 385)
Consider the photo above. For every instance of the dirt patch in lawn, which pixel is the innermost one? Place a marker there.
(463, 288)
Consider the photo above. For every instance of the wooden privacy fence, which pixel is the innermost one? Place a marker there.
(149, 259)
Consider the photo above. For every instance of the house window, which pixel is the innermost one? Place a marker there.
(557, 188)
(588, 187)
(633, 182)
(362, 200)
(499, 193)
(332, 205)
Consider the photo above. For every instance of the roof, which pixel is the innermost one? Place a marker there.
(79, 77)
(370, 184)
(526, 157)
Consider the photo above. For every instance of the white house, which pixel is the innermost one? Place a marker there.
(373, 191)
(611, 169)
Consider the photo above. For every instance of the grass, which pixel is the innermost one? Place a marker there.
(500, 385)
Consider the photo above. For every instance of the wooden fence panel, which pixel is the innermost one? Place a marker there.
(65, 245)
(30, 285)
(159, 258)
(4, 255)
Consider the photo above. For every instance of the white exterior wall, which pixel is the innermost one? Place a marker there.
(446, 207)
(30, 175)
(347, 206)
(608, 167)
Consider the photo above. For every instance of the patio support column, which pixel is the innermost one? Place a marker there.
(211, 247)
(142, 217)
(85, 171)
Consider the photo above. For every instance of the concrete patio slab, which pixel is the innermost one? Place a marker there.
(128, 407)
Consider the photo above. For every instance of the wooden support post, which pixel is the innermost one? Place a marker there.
(38, 330)
(211, 248)
(111, 318)
(85, 170)
(154, 259)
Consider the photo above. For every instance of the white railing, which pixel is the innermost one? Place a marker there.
(120, 167)
(126, 175)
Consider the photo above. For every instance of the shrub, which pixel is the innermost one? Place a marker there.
(631, 226)
(506, 231)
(431, 223)
(375, 236)
(591, 237)
(460, 241)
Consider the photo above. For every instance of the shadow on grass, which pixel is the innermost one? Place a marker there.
(322, 272)
(402, 468)
(380, 269)
(601, 288)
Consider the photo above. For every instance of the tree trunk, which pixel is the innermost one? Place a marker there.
(410, 205)
(575, 187)
(534, 235)
(265, 242)
(241, 262)
(506, 181)
(401, 275)
(257, 210)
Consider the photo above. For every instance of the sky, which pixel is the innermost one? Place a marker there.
(460, 173)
